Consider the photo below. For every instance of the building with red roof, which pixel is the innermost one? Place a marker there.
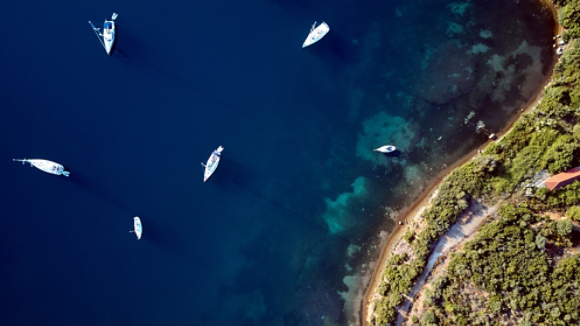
(563, 179)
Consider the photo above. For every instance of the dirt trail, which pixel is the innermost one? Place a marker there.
(466, 225)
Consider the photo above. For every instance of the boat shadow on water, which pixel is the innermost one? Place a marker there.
(93, 188)
(127, 43)
(231, 176)
(396, 154)
(162, 236)
(334, 46)
(152, 231)
(137, 55)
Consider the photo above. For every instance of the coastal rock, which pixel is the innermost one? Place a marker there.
(450, 73)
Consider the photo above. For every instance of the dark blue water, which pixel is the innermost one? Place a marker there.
(299, 198)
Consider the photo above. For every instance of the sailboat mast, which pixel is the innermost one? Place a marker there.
(99, 35)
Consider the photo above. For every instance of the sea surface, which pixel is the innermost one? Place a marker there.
(284, 230)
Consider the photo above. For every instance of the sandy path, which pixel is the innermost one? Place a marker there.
(466, 225)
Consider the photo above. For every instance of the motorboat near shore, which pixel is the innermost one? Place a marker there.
(316, 34)
(108, 36)
(46, 166)
(212, 163)
(385, 149)
(137, 227)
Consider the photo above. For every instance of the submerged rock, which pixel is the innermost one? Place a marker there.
(339, 215)
(450, 72)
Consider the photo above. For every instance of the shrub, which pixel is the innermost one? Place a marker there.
(576, 132)
(429, 317)
(409, 236)
(429, 297)
(565, 227)
(540, 242)
(566, 196)
(383, 288)
(559, 156)
(569, 15)
(574, 213)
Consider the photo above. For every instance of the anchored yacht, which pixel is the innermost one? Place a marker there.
(137, 227)
(108, 36)
(212, 163)
(46, 166)
(385, 149)
(316, 34)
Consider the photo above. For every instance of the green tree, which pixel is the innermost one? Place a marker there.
(565, 227)
(576, 132)
(540, 242)
(555, 312)
(574, 213)
(429, 317)
(560, 155)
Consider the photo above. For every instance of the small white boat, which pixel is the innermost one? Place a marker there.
(385, 149)
(46, 166)
(137, 227)
(212, 163)
(316, 34)
(108, 37)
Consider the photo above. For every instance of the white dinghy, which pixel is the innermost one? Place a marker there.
(316, 34)
(385, 149)
(46, 166)
(108, 37)
(137, 227)
(212, 163)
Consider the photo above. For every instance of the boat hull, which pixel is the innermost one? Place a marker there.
(137, 227)
(212, 163)
(46, 166)
(386, 149)
(316, 34)
(109, 36)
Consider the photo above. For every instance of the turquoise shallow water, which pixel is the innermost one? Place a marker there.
(295, 211)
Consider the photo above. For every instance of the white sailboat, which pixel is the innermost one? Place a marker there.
(137, 227)
(108, 37)
(385, 149)
(46, 166)
(316, 34)
(212, 163)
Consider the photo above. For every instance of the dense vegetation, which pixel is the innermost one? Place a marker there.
(511, 272)
(547, 138)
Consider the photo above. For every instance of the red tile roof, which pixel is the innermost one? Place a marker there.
(563, 179)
